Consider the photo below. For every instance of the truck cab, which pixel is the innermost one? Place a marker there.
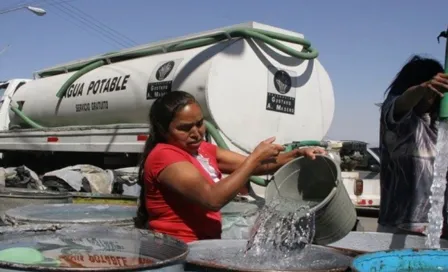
(7, 89)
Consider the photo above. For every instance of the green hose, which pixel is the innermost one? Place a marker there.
(25, 118)
(80, 73)
(214, 133)
(265, 36)
(443, 112)
(211, 129)
(295, 145)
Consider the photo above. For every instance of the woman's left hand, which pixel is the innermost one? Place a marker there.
(309, 152)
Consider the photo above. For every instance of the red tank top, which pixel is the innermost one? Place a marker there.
(169, 212)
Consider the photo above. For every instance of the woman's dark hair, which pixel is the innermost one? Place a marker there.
(417, 70)
(162, 112)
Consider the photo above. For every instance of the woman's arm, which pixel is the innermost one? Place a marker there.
(184, 178)
(408, 100)
(229, 161)
(437, 86)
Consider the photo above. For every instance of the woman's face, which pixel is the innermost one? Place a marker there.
(187, 129)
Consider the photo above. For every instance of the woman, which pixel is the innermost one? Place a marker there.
(408, 135)
(182, 187)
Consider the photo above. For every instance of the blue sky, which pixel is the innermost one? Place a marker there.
(362, 43)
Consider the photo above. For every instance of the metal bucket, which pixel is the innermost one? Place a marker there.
(116, 215)
(227, 255)
(377, 241)
(16, 197)
(317, 182)
(89, 248)
(89, 198)
(402, 260)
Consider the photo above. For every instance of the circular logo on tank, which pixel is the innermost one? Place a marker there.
(164, 70)
(282, 82)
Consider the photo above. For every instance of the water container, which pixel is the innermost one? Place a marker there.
(89, 248)
(114, 199)
(116, 215)
(228, 255)
(238, 219)
(426, 260)
(378, 241)
(17, 197)
(317, 183)
(269, 91)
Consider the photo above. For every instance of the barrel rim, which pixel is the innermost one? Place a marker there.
(105, 196)
(177, 260)
(11, 192)
(15, 215)
(346, 252)
(369, 255)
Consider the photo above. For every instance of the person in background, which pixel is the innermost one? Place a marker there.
(180, 174)
(408, 136)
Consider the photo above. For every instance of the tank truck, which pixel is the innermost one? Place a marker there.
(252, 80)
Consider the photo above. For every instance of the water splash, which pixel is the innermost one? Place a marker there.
(280, 240)
(283, 228)
(437, 198)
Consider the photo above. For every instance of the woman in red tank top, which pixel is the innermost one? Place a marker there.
(180, 174)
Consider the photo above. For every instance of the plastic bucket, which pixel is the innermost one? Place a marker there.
(402, 260)
(317, 183)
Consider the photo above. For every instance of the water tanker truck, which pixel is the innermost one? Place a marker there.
(252, 80)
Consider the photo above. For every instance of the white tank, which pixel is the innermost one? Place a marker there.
(249, 90)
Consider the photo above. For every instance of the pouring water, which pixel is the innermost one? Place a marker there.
(437, 198)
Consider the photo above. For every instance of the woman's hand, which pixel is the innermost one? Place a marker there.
(309, 152)
(266, 150)
(438, 85)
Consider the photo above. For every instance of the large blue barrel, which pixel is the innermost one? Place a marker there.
(402, 260)
(88, 248)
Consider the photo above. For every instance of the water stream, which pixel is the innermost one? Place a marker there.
(437, 198)
(280, 240)
(283, 227)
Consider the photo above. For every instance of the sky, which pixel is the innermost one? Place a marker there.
(362, 44)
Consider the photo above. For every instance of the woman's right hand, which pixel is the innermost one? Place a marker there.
(438, 85)
(266, 150)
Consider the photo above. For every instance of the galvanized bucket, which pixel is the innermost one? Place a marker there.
(317, 183)
(402, 260)
(16, 197)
